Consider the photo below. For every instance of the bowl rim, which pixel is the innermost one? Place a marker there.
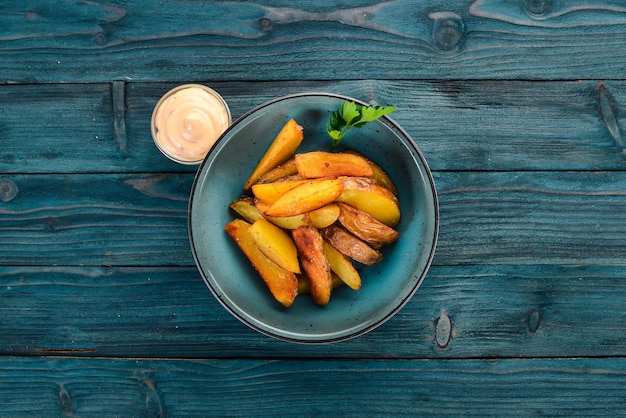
(359, 331)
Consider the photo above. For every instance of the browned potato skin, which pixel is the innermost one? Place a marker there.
(314, 262)
(379, 175)
(369, 196)
(282, 284)
(327, 164)
(365, 227)
(351, 246)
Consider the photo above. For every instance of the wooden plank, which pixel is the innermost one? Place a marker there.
(481, 125)
(570, 218)
(115, 219)
(492, 311)
(403, 39)
(111, 387)
(567, 218)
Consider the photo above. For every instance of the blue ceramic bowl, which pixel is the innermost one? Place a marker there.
(386, 286)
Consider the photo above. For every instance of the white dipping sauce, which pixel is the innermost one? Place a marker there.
(187, 121)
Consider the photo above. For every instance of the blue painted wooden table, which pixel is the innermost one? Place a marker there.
(519, 107)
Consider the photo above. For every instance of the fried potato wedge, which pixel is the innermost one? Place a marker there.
(314, 262)
(351, 246)
(312, 194)
(286, 222)
(283, 284)
(365, 227)
(288, 168)
(379, 174)
(270, 192)
(327, 164)
(324, 216)
(382, 177)
(276, 244)
(375, 200)
(282, 148)
(246, 209)
(304, 283)
(342, 267)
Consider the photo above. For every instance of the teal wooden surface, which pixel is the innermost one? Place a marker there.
(522, 125)
(147, 40)
(506, 311)
(79, 387)
(518, 107)
(547, 217)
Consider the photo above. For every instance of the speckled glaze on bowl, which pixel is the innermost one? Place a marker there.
(386, 287)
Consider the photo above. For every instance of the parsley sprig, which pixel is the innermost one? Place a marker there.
(351, 115)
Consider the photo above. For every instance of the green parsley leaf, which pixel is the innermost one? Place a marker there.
(351, 115)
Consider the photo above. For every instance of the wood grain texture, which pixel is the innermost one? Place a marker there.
(149, 40)
(460, 125)
(93, 387)
(568, 218)
(96, 220)
(492, 311)
(486, 218)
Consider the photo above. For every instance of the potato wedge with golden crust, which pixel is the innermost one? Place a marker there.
(379, 174)
(312, 194)
(365, 227)
(304, 283)
(288, 168)
(342, 267)
(282, 284)
(276, 244)
(282, 148)
(324, 216)
(286, 222)
(318, 164)
(351, 246)
(270, 192)
(314, 262)
(246, 209)
(375, 200)
(382, 177)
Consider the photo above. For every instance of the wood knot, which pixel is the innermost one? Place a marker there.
(443, 330)
(8, 190)
(100, 38)
(537, 8)
(448, 30)
(608, 109)
(533, 321)
(265, 24)
(65, 401)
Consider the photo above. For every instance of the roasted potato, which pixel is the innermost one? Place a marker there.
(282, 284)
(271, 192)
(375, 200)
(308, 217)
(308, 196)
(276, 244)
(364, 226)
(351, 246)
(288, 168)
(246, 209)
(327, 164)
(304, 283)
(282, 149)
(314, 262)
(342, 267)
